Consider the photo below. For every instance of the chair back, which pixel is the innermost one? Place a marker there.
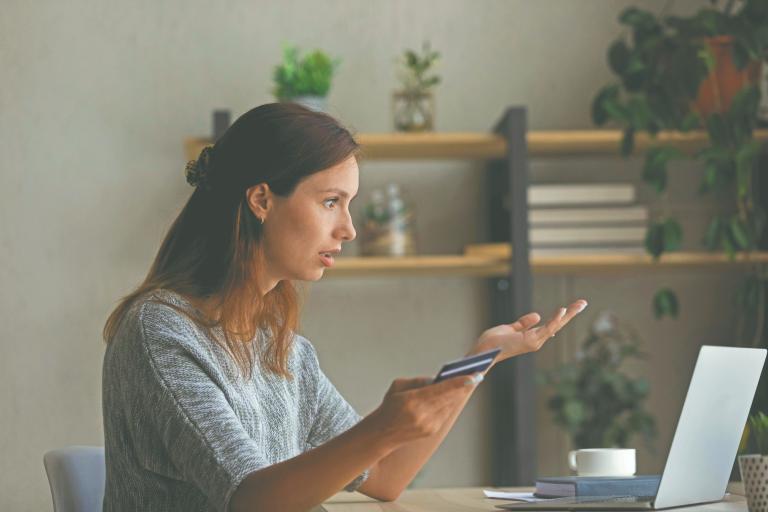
(76, 475)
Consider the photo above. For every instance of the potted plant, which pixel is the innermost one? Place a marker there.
(597, 403)
(753, 462)
(697, 72)
(414, 104)
(305, 80)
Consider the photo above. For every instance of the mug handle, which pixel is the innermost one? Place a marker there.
(572, 460)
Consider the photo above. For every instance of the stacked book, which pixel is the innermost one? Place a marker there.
(560, 487)
(581, 218)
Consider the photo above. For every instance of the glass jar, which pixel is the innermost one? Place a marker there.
(388, 228)
(413, 111)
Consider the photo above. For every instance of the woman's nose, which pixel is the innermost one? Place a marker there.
(347, 229)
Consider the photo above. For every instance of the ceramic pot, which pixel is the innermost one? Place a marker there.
(754, 474)
(316, 103)
(718, 90)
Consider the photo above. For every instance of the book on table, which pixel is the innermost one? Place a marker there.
(560, 487)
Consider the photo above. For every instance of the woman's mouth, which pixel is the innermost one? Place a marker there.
(326, 258)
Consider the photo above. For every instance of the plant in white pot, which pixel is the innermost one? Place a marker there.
(594, 398)
(305, 80)
(753, 463)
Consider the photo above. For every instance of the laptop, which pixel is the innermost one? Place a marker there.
(705, 442)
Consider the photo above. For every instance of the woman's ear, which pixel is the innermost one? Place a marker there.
(259, 200)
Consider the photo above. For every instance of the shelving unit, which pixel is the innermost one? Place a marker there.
(509, 272)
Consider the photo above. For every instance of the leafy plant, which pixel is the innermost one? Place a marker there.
(594, 400)
(755, 438)
(415, 70)
(303, 76)
(661, 62)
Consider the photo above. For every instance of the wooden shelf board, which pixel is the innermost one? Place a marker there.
(604, 261)
(435, 145)
(408, 146)
(478, 266)
(458, 145)
(194, 145)
(487, 260)
(574, 142)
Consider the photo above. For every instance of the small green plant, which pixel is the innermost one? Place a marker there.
(303, 76)
(594, 400)
(415, 70)
(755, 438)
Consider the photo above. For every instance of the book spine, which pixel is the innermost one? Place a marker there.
(572, 195)
(638, 250)
(587, 216)
(617, 488)
(584, 236)
(580, 194)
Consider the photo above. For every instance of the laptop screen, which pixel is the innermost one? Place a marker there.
(710, 426)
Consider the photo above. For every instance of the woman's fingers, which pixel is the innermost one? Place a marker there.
(422, 410)
(405, 384)
(525, 322)
(561, 317)
(418, 382)
(574, 309)
(445, 391)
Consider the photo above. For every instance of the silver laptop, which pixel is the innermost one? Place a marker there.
(706, 439)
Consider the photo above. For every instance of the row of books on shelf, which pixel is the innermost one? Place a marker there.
(585, 218)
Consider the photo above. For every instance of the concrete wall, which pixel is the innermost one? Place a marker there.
(96, 99)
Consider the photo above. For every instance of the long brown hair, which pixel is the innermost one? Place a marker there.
(214, 246)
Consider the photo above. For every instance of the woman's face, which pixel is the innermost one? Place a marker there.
(305, 231)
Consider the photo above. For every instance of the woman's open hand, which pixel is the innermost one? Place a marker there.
(525, 334)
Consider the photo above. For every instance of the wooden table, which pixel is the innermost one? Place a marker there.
(471, 499)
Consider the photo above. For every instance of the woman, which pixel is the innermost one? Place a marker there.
(211, 400)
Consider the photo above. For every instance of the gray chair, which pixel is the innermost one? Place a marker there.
(76, 475)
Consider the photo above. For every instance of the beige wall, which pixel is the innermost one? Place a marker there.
(96, 99)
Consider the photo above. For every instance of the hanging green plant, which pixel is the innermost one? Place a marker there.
(697, 72)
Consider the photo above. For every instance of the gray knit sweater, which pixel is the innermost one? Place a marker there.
(182, 428)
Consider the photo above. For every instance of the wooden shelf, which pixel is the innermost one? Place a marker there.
(580, 142)
(409, 146)
(607, 261)
(488, 260)
(458, 265)
(434, 145)
(603, 263)
(457, 145)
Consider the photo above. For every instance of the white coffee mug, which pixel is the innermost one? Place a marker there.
(603, 461)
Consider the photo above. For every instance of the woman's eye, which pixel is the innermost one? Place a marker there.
(333, 201)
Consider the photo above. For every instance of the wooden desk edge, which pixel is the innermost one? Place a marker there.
(455, 499)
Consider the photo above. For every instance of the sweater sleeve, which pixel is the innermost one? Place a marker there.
(333, 416)
(195, 434)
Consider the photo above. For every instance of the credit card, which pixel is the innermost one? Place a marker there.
(467, 365)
